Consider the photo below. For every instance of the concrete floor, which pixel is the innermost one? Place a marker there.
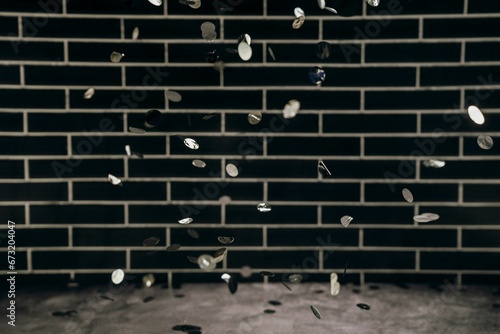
(211, 307)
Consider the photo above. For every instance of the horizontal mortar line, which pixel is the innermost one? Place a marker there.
(276, 64)
(196, 270)
(325, 17)
(335, 41)
(150, 157)
(243, 179)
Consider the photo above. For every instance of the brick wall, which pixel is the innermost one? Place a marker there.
(398, 82)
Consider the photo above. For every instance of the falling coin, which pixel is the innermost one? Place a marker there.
(152, 241)
(244, 51)
(209, 116)
(274, 302)
(89, 93)
(148, 280)
(269, 311)
(225, 277)
(330, 9)
(128, 150)
(286, 286)
(315, 312)
(298, 12)
(195, 4)
(323, 50)
(291, 109)
(136, 130)
(191, 143)
(225, 240)
(346, 220)
(321, 4)
(185, 221)
(317, 75)
(298, 22)
(263, 207)
(254, 118)
(476, 115)
(192, 259)
(156, 2)
(199, 163)
(207, 26)
(225, 199)
(212, 56)
(116, 56)
(373, 3)
(173, 247)
(206, 262)
(265, 273)
(152, 118)
(434, 163)
(323, 170)
(271, 53)
(431, 216)
(193, 233)
(173, 96)
(295, 278)
(422, 219)
(117, 276)
(114, 180)
(408, 196)
(135, 33)
(485, 142)
(232, 170)
(246, 272)
(363, 306)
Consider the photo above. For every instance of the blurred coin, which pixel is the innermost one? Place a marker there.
(298, 12)
(156, 2)
(254, 118)
(199, 163)
(315, 312)
(152, 118)
(117, 276)
(116, 56)
(485, 142)
(206, 262)
(193, 233)
(212, 56)
(291, 109)
(295, 278)
(89, 93)
(323, 170)
(173, 96)
(244, 51)
(330, 9)
(135, 33)
(298, 22)
(346, 220)
(191, 143)
(114, 180)
(363, 306)
(185, 221)
(246, 271)
(148, 280)
(263, 207)
(232, 170)
(173, 247)
(136, 130)
(373, 3)
(271, 53)
(225, 240)
(434, 163)
(407, 195)
(266, 273)
(317, 75)
(152, 241)
(245, 38)
(321, 4)
(220, 254)
(323, 50)
(476, 115)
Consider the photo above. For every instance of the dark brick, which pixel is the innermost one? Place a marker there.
(347, 123)
(412, 52)
(409, 238)
(313, 146)
(368, 214)
(434, 192)
(34, 192)
(322, 192)
(459, 260)
(85, 168)
(370, 260)
(280, 214)
(460, 28)
(196, 191)
(369, 29)
(76, 214)
(78, 259)
(109, 237)
(311, 237)
(129, 191)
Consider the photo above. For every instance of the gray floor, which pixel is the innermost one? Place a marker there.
(417, 309)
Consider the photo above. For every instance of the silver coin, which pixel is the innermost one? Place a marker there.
(193, 233)
(206, 262)
(135, 33)
(148, 280)
(207, 26)
(317, 75)
(335, 289)
(323, 50)
(373, 3)
(321, 4)
(116, 57)
(330, 9)
(185, 221)
(422, 219)
(149, 242)
(271, 53)
(89, 93)
(195, 4)
(298, 22)
(209, 116)
(475, 115)
(291, 109)
(225, 240)
(232, 170)
(225, 199)
(114, 180)
(246, 271)
(295, 278)
(431, 216)
(244, 51)
(323, 170)
(191, 143)
(173, 247)
(156, 2)
(298, 12)
(128, 150)
(173, 96)
(192, 259)
(245, 38)
(407, 195)
(485, 142)
(434, 163)
(225, 277)
(363, 306)
(254, 118)
(117, 276)
(346, 220)
(209, 36)
(263, 207)
(199, 163)
(136, 130)
(315, 312)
